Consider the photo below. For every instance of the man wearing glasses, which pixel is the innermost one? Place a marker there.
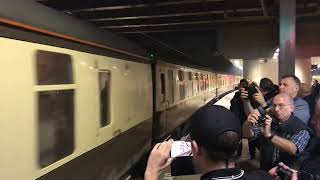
(290, 85)
(284, 136)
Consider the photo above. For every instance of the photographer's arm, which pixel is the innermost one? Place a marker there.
(295, 145)
(284, 144)
(247, 131)
(248, 109)
(247, 128)
(246, 102)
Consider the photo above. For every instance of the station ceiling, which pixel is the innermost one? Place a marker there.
(148, 21)
(159, 16)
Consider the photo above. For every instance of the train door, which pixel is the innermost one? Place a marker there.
(181, 85)
(197, 84)
(190, 85)
(171, 86)
(163, 91)
(201, 83)
(216, 83)
(210, 82)
(219, 83)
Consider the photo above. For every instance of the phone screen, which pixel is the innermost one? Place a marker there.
(180, 149)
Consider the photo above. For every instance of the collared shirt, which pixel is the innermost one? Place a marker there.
(301, 109)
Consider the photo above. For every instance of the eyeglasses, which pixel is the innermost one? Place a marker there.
(280, 106)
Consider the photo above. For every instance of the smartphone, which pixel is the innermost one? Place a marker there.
(181, 149)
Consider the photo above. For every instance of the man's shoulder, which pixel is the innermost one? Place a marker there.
(258, 174)
(300, 102)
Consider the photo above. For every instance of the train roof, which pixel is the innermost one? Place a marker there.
(33, 16)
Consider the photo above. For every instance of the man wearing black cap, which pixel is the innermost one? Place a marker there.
(215, 134)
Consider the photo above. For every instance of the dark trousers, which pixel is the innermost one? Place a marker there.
(253, 144)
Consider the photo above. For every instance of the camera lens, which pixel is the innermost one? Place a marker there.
(261, 120)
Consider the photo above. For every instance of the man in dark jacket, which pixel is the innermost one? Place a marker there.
(215, 134)
(310, 158)
(236, 103)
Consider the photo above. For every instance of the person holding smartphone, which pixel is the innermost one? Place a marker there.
(215, 137)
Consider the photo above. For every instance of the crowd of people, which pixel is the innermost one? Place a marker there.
(283, 122)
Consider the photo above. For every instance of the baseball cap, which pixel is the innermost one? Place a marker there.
(211, 121)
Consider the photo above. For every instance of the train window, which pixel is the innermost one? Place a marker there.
(104, 87)
(180, 75)
(53, 68)
(56, 125)
(163, 83)
(190, 76)
(197, 76)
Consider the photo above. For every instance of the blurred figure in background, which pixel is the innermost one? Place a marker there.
(315, 87)
(267, 88)
(308, 94)
(237, 103)
(237, 107)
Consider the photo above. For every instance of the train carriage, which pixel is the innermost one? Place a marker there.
(76, 109)
(53, 104)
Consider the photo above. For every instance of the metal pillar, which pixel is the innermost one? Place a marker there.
(287, 37)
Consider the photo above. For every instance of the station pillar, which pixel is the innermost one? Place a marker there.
(287, 41)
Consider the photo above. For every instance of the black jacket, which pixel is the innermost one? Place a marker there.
(237, 173)
(311, 161)
(237, 107)
(286, 130)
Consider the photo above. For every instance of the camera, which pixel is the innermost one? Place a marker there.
(287, 174)
(251, 91)
(262, 119)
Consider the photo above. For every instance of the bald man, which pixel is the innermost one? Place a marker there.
(284, 136)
